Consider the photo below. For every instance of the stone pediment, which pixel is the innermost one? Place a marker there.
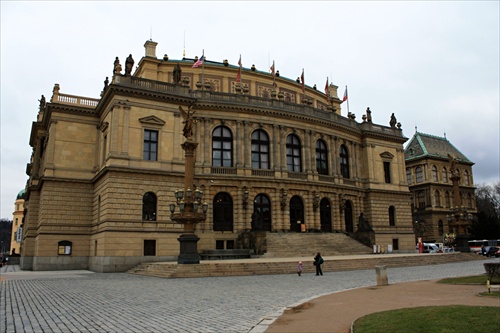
(152, 121)
(387, 155)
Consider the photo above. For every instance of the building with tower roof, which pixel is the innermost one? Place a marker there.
(273, 156)
(429, 173)
(17, 222)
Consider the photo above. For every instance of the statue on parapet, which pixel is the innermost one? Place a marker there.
(393, 121)
(117, 68)
(129, 64)
(368, 115)
(42, 102)
(177, 73)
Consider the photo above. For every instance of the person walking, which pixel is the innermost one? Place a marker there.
(318, 261)
(299, 268)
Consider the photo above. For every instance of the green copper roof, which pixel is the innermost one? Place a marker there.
(424, 145)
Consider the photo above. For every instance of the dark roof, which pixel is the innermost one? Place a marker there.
(425, 145)
(20, 195)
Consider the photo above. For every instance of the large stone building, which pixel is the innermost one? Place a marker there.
(429, 177)
(103, 171)
(17, 222)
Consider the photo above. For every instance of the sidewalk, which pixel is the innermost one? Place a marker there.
(336, 312)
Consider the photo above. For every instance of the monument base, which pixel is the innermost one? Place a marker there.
(462, 243)
(188, 249)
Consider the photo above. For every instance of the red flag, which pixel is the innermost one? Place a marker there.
(327, 91)
(345, 95)
(199, 62)
(238, 76)
(302, 80)
(273, 74)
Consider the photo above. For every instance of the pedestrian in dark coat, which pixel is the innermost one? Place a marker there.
(318, 261)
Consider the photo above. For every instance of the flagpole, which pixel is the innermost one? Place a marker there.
(347, 95)
(203, 72)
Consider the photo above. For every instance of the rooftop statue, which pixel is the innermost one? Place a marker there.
(129, 64)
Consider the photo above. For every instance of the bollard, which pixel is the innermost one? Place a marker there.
(381, 276)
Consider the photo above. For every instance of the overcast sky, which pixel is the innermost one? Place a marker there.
(435, 65)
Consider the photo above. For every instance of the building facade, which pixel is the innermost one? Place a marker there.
(104, 171)
(17, 222)
(428, 161)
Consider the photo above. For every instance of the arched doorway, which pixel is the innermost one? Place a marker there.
(296, 213)
(349, 225)
(261, 217)
(325, 214)
(222, 212)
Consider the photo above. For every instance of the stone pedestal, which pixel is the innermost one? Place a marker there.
(462, 243)
(188, 249)
(382, 279)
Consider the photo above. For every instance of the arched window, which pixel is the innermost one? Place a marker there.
(321, 158)
(437, 199)
(293, 154)
(421, 199)
(223, 212)
(325, 213)
(348, 217)
(296, 213)
(444, 174)
(466, 178)
(344, 162)
(149, 207)
(419, 175)
(392, 216)
(260, 150)
(222, 147)
(434, 173)
(261, 218)
(408, 176)
(447, 201)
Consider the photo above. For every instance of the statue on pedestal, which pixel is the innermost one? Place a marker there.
(188, 121)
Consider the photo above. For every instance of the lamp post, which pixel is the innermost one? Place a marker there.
(459, 218)
(187, 200)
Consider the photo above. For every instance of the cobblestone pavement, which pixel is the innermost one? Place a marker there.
(82, 301)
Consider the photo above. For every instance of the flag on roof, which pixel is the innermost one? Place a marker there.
(273, 74)
(327, 91)
(302, 80)
(199, 62)
(345, 95)
(238, 76)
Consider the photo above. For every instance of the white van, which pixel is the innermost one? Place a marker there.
(428, 248)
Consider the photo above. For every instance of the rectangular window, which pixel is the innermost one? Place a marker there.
(395, 244)
(387, 172)
(150, 145)
(149, 247)
(219, 245)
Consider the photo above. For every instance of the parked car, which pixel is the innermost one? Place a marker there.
(428, 248)
(491, 251)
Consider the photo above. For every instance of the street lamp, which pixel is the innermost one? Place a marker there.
(188, 200)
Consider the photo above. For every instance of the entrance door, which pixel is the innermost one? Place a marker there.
(325, 214)
(349, 225)
(296, 213)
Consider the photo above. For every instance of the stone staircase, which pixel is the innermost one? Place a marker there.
(285, 245)
(262, 266)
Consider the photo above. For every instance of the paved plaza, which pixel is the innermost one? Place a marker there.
(83, 301)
